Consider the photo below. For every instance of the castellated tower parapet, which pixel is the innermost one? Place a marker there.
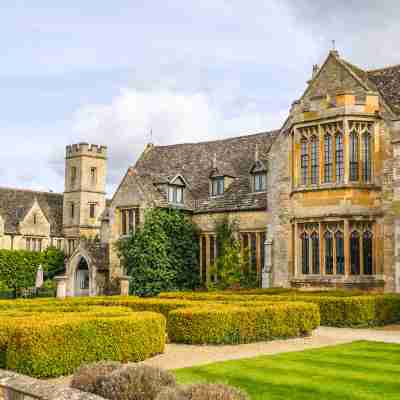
(86, 149)
(85, 189)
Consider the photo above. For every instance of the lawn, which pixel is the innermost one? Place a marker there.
(360, 370)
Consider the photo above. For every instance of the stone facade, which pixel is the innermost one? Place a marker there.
(316, 202)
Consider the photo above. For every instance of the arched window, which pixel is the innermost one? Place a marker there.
(327, 158)
(315, 253)
(339, 158)
(304, 162)
(355, 253)
(367, 157)
(305, 257)
(328, 253)
(353, 156)
(339, 253)
(314, 160)
(367, 253)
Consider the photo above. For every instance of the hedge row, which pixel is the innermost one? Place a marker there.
(236, 324)
(336, 309)
(56, 346)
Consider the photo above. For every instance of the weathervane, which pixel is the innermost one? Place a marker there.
(333, 44)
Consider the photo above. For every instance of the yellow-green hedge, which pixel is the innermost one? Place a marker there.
(56, 346)
(235, 324)
(336, 309)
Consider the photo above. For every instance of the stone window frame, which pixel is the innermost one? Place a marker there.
(337, 265)
(129, 219)
(175, 194)
(217, 186)
(34, 243)
(339, 160)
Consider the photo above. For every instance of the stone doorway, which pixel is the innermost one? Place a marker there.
(82, 278)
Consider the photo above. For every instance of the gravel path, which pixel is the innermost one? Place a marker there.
(182, 356)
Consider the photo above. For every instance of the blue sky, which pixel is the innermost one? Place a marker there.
(107, 72)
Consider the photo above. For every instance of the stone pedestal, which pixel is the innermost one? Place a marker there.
(61, 282)
(266, 275)
(124, 285)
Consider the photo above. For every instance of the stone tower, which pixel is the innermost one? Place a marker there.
(84, 193)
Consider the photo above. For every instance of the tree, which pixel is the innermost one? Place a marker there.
(162, 255)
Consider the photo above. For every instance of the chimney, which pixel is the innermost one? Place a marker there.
(315, 70)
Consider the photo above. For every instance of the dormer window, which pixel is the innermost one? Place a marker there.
(175, 194)
(260, 182)
(217, 186)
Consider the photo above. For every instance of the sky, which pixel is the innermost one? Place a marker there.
(111, 72)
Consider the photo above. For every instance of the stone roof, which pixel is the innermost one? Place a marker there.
(385, 80)
(196, 162)
(16, 203)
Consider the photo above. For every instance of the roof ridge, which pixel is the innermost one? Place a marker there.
(383, 68)
(30, 190)
(220, 140)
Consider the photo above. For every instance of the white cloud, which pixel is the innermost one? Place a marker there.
(125, 123)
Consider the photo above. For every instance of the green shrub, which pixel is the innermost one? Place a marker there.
(232, 324)
(18, 268)
(134, 382)
(51, 347)
(87, 376)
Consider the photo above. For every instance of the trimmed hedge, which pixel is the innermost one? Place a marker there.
(236, 324)
(49, 347)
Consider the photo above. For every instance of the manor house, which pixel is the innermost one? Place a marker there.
(317, 202)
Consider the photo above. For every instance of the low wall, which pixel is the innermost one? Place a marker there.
(20, 387)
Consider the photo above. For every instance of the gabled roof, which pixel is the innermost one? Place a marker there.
(196, 161)
(16, 203)
(386, 81)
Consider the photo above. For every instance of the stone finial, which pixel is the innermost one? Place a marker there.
(256, 153)
(214, 161)
(315, 70)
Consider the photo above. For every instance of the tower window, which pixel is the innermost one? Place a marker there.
(93, 176)
(34, 219)
(73, 176)
(92, 210)
(72, 210)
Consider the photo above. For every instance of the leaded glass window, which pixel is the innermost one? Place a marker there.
(339, 158)
(355, 253)
(314, 160)
(328, 158)
(354, 156)
(328, 253)
(367, 157)
(305, 254)
(315, 253)
(367, 253)
(304, 162)
(339, 253)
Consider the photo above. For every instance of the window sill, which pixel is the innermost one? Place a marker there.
(336, 186)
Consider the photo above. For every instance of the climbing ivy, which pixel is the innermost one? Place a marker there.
(162, 255)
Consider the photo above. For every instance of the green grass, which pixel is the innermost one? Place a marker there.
(360, 370)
